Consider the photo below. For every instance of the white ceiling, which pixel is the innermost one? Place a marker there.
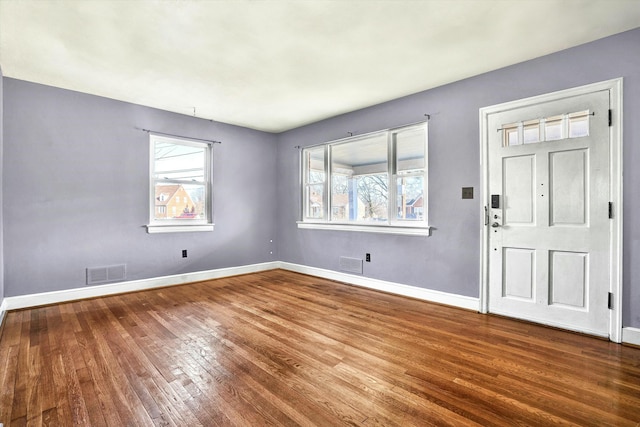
(274, 65)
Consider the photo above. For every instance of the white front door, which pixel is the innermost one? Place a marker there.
(548, 182)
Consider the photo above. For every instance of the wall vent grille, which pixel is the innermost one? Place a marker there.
(351, 265)
(111, 273)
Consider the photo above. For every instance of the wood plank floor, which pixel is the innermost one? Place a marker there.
(280, 348)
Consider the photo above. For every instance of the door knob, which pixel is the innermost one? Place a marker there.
(495, 225)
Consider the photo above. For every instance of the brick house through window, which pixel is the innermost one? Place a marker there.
(414, 208)
(173, 201)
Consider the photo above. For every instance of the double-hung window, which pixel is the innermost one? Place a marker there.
(375, 182)
(180, 185)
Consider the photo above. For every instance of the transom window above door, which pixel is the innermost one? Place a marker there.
(553, 128)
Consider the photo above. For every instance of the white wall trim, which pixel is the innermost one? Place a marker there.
(3, 312)
(178, 228)
(383, 229)
(24, 301)
(616, 231)
(631, 335)
(460, 301)
(33, 300)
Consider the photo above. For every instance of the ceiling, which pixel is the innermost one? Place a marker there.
(274, 65)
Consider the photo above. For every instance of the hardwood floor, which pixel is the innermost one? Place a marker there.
(280, 348)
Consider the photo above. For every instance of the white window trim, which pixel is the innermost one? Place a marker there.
(152, 229)
(381, 229)
(180, 226)
(398, 227)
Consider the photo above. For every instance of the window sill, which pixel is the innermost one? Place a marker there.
(382, 229)
(152, 229)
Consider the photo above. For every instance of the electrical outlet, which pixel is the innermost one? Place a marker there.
(184, 253)
(367, 257)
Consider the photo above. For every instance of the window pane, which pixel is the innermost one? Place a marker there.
(369, 154)
(340, 195)
(179, 162)
(373, 197)
(314, 165)
(579, 124)
(410, 150)
(553, 128)
(410, 167)
(510, 135)
(531, 132)
(180, 201)
(410, 197)
(314, 201)
(359, 183)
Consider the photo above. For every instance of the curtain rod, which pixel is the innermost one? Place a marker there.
(179, 136)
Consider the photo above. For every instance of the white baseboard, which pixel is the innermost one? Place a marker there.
(33, 300)
(24, 301)
(460, 301)
(3, 312)
(631, 335)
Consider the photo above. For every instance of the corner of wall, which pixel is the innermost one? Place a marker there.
(1, 201)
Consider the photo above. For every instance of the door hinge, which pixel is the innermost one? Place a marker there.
(610, 210)
(610, 118)
(610, 301)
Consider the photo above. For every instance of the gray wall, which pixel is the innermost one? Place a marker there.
(76, 191)
(449, 260)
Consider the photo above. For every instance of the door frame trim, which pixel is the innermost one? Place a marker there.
(614, 87)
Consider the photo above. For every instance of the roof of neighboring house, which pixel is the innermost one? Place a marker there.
(168, 190)
(415, 202)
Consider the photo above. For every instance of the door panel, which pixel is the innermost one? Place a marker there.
(519, 187)
(549, 241)
(568, 279)
(519, 273)
(569, 195)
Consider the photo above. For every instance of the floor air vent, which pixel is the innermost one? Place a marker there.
(111, 273)
(351, 265)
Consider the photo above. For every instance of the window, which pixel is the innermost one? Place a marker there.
(573, 125)
(375, 182)
(180, 185)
